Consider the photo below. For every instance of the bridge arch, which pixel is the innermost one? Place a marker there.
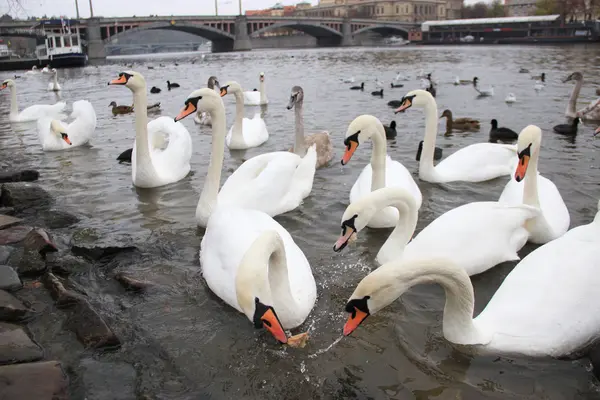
(383, 30)
(312, 29)
(207, 32)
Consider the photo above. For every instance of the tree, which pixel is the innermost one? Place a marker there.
(496, 10)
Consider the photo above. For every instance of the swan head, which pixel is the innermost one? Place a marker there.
(296, 97)
(575, 76)
(262, 76)
(420, 98)
(54, 71)
(528, 144)
(9, 83)
(59, 129)
(34, 68)
(231, 87)
(213, 82)
(131, 79)
(204, 99)
(360, 130)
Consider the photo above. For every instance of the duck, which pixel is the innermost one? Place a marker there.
(510, 98)
(591, 112)
(502, 133)
(321, 139)
(394, 103)
(172, 85)
(245, 132)
(461, 124)
(541, 77)
(437, 154)
(477, 236)
(204, 118)
(154, 166)
(361, 87)
(530, 188)
(390, 131)
(475, 163)
(273, 183)
(482, 92)
(523, 71)
(257, 97)
(377, 93)
(120, 109)
(396, 85)
(431, 88)
(154, 90)
(567, 129)
(54, 86)
(381, 172)
(547, 306)
(55, 135)
(125, 156)
(31, 113)
(458, 81)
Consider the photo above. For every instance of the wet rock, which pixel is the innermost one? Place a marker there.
(15, 234)
(63, 296)
(130, 283)
(9, 280)
(90, 328)
(27, 263)
(90, 244)
(56, 219)
(16, 346)
(65, 264)
(39, 240)
(23, 196)
(12, 309)
(100, 379)
(7, 210)
(40, 381)
(6, 221)
(28, 175)
(5, 252)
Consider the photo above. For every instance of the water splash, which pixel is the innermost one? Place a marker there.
(325, 350)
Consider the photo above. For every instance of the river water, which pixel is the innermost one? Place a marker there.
(187, 344)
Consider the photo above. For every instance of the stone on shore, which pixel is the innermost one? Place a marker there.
(28, 175)
(16, 346)
(9, 280)
(90, 328)
(90, 244)
(39, 240)
(5, 252)
(65, 264)
(6, 221)
(7, 210)
(101, 378)
(131, 283)
(63, 296)
(36, 381)
(28, 263)
(12, 309)
(13, 235)
(57, 219)
(24, 196)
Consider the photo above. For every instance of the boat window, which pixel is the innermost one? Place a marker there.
(50, 42)
(74, 41)
(58, 42)
(67, 40)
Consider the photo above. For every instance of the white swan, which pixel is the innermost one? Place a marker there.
(475, 163)
(245, 132)
(483, 92)
(321, 139)
(548, 305)
(253, 264)
(31, 113)
(54, 86)
(381, 172)
(56, 135)
(204, 117)
(511, 98)
(476, 236)
(46, 69)
(591, 112)
(274, 183)
(33, 71)
(531, 188)
(257, 97)
(152, 166)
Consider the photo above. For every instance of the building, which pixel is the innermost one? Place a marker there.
(278, 10)
(520, 8)
(396, 10)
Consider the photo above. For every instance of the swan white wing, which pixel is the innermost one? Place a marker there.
(80, 131)
(254, 132)
(35, 112)
(476, 236)
(554, 220)
(229, 234)
(549, 304)
(252, 98)
(478, 162)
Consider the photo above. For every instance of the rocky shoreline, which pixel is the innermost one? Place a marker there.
(37, 292)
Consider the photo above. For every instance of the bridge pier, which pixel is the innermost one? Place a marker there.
(95, 45)
(242, 39)
(347, 39)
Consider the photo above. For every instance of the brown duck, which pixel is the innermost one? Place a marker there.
(129, 109)
(460, 124)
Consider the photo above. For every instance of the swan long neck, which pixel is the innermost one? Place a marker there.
(14, 107)
(426, 162)
(378, 158)
(142, 145)
(300, 143)
(572, 105)
(55, 80)
(263, 93)
(530, 189)
(405, 203)
(237, 134)
(210, 191)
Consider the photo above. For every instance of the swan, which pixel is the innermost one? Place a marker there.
(155, 166)
(548, 305)
(204, 118)
(538, 86)
(245, 132)
(381, 172)
(347, 80)
(591, 112)
(54, 86)
(483, 92)
(253, 264)
(31, 113)
(477, 236)
(379, 84)
(511, 98)
(401, 77)
(33, 71)
(46, 69)
(531, 188)
(475, 163)
(274, 183)
(56, 135)
(257, 97)
(321, 139)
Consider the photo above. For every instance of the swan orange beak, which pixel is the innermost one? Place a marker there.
(522, 167)
(406, 103)
(354, 320)
(187, 110)
(66, 138)
(119, 81)
(223, 91)
(4, 86)
(350, 149)
(343, 240)
(272, 324)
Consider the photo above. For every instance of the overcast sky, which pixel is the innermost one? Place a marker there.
(123, 8)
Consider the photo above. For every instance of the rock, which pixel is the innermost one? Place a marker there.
(7, 210)
(28, 263)
(39, 240)
(24, 196)
(89, 244)
(65, 264)
(28, 175)
(40, 381)
(130, 283)
(9, 280)
(16, 347)
(15, 234)
(90, 328)
(12, 309)
(5, 252)
(100, 379)
(6, 221)
(59, 293)
(56, 219)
